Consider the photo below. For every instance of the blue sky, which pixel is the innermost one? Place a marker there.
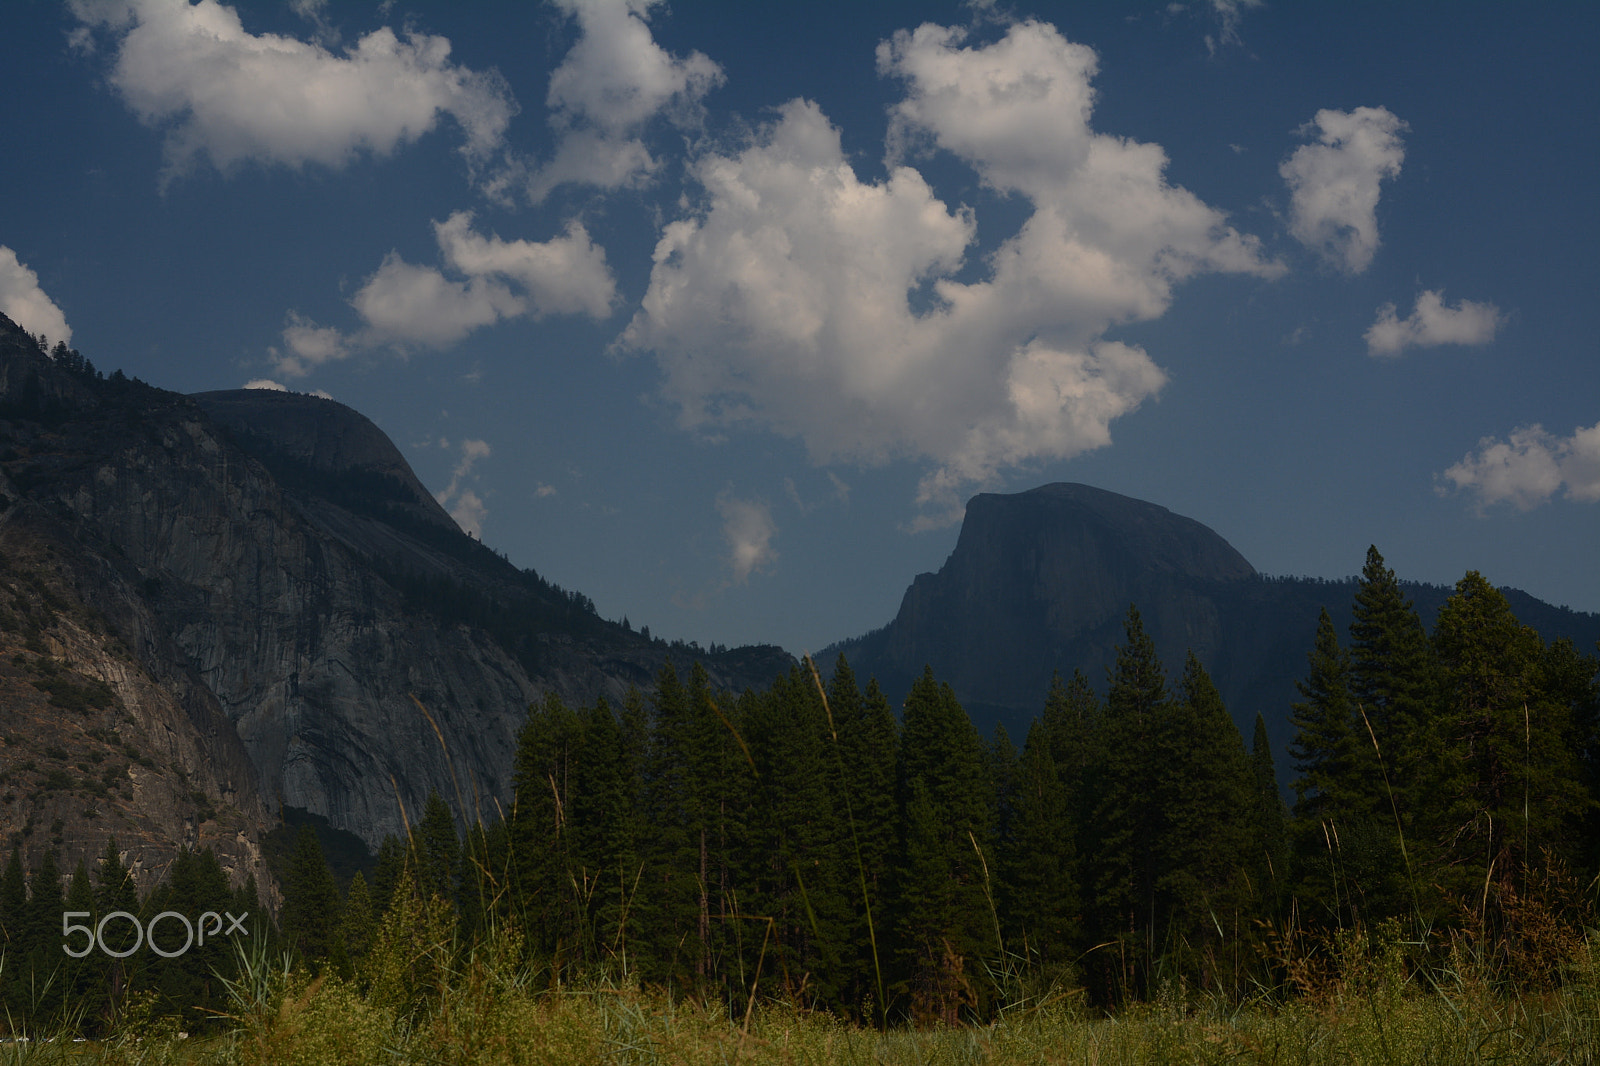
(719, 312)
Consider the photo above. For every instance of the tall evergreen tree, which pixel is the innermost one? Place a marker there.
(1393, 680)
(798, 828)
(387, 870)
(606, 827)
(1512, 785)
(13, 906)
(864, 734)
(1394, 684)
(83, 979)
(1344, 847)
(43, 938)
(438, 851)
(310, 919)
(1039, 857)
(1572, 680)
(1207, 787)
(688, 770)
(946, 921)
(1131, 815)
(1271, 845)
(115, 891)
(359, 924)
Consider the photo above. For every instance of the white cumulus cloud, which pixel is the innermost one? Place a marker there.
(1432, 322)
(1334, 183)
(787, 300)
(266, 383)
(614, 81)
(230, 96)
(25, 303)
(564, 275)
(1530, 467)
(408, 304)
(748, 528)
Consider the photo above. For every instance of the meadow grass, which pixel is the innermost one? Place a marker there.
(487, 1009)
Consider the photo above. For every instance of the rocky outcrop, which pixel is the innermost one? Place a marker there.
(273, 563)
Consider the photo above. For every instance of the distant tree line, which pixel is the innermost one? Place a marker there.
(807, 843)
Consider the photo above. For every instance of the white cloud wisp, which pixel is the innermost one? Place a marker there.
(230, 96)
(787, 301)
(463, 503)
(1334, 184)
(748, 528)
(1530, 467)
(1432, 322)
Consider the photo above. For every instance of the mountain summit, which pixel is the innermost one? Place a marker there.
(1040, 582)
(244, 601)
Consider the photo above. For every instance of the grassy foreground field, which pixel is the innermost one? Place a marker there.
(482, 1011)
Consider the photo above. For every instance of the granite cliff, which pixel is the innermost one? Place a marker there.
(320, 632)
(1040, 582)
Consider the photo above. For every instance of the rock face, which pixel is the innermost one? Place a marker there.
(1041, 581)
(272, 561)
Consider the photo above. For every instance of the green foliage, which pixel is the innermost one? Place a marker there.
(310, 917)
(945, 923)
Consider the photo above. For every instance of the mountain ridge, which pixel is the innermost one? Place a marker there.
(1040, 582)
(327, 639)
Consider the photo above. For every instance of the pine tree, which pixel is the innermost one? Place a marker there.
(13, 906)
(605, 824)
(14, 943)
(43, 937)
(1131, 815)
(437, 850)
(115, 891)
(546, 772)
(83, 980)
(45, 900)
(360, 922)
(1571, 680)
(1039, 857)
(864, 737)
(946, 917)
(1392, 680)
(1513, 782)
(680, 806)
(188, 983)
(794, 824)
(1395, 688)
(310, 918)
(1271, 843)
(388, 867)
(1206, 786)
(1342, 835)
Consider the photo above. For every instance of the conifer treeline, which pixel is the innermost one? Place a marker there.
(807, 843)
(42, 985)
